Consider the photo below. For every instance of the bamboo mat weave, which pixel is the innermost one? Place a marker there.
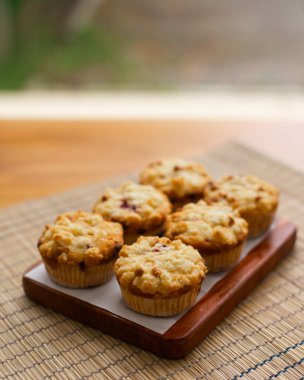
(261, 339)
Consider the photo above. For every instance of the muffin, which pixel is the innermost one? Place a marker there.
(141, 209)
(159, 277)
(255, 200)
(79, 250)
(182, 181)
(215, 231)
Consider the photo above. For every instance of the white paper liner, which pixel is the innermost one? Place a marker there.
(108, 296)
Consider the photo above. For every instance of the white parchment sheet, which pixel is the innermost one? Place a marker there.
(108, 296)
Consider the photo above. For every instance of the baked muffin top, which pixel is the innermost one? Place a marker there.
(210, 227)
(175, 177)
(159, 267)
(244, 193)
(134, 205)
(80, 237)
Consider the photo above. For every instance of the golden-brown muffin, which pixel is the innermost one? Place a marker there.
(182, 181)
(214, 230)
(141, 209)
(254, 199)
(159, 277)
(79, 250)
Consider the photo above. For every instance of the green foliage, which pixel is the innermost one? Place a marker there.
(91, 47)
(39, 51)
(14, 5)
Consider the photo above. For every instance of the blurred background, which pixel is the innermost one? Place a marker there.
(91, 88)
(151, 45)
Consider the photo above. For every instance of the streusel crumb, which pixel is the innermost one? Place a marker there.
(134, 205)
(80, 237)
(244, 193)
(206, 226)
(175, 177)
(158, 266)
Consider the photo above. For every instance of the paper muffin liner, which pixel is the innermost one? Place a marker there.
(160, 307)
(258, 223)
(74, 277)
(222, 260)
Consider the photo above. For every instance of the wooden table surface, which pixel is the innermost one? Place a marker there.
(42, 157)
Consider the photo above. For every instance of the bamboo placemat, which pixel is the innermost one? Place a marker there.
(261, 339)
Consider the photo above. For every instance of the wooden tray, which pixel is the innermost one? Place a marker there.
(194, 325)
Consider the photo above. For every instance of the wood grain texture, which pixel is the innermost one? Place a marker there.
(193, 326)
(42, 157)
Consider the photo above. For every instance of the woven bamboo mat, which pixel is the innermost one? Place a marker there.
(260, 339)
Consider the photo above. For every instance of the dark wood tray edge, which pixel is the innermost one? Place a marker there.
(194, 325)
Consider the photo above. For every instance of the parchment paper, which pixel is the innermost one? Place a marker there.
(108, 296)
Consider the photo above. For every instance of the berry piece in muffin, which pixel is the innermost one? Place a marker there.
(182, 181)
(159, 277)
(214, 230)
(79, 250)
(254, 199)
(141, 209)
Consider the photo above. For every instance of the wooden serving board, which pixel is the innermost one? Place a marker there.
(194, 325)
